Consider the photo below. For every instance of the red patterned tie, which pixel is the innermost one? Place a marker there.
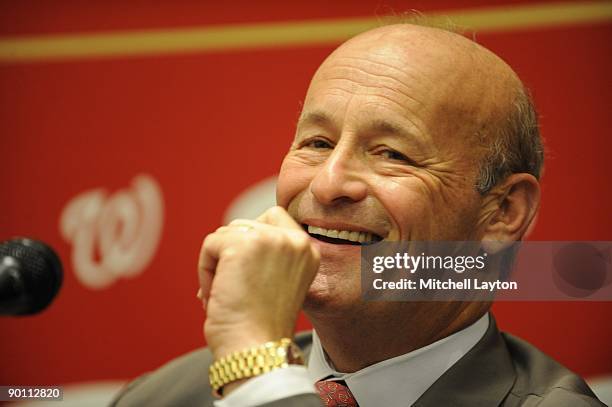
(335, 394)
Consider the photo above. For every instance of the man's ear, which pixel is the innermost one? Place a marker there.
(517, 202)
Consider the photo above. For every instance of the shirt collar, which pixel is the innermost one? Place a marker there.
(405, 377)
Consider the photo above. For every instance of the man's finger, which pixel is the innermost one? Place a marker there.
(244, 225)
(278, 216)
(206, 278)
(210, 253)
(207, 264)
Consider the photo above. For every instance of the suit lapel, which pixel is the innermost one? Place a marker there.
(483, 377)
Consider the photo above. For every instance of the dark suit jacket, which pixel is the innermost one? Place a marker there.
(500, 370)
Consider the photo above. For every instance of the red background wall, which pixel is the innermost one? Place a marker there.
(208, 125)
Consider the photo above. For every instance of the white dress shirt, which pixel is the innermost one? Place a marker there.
(402, 379)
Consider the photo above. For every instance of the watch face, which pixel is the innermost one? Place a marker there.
(294, 355)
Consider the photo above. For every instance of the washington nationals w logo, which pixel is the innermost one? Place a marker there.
(114, 235)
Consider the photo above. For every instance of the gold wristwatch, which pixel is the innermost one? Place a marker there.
(253, 362)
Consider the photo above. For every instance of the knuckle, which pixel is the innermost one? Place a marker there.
(207, 240)
(280, 243)
(254, 236)
(276, 210)
(301, 242)
(230, 253)
(248, 241)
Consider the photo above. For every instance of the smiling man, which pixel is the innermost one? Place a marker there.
(407, 133)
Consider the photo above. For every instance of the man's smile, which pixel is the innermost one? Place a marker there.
(341, 234)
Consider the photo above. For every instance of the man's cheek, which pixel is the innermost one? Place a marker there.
(292, 180)
(412, 221)
(286, 190)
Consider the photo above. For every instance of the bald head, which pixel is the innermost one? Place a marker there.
(459, 92)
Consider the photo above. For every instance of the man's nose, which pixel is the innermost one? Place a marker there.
(340, 178)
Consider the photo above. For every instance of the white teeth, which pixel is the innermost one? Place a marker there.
(353, 236)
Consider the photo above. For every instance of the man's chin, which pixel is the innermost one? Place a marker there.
(332, 294)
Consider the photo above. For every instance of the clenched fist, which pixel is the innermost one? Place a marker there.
(254, 276)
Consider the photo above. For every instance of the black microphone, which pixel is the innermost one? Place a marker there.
(30, 276)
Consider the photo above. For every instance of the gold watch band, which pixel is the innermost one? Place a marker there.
(253, 362)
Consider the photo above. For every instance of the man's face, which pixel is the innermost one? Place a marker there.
(381, 152)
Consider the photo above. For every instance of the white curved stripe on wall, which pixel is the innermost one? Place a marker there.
(253, 201)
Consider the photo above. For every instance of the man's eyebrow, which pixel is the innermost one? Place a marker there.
(383, 126)
(374, 125)
(315, 117)
(391, 128)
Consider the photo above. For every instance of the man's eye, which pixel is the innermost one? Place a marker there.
(394, 155)
(319, 144)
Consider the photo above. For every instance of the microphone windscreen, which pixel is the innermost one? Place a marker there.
(40, 270)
